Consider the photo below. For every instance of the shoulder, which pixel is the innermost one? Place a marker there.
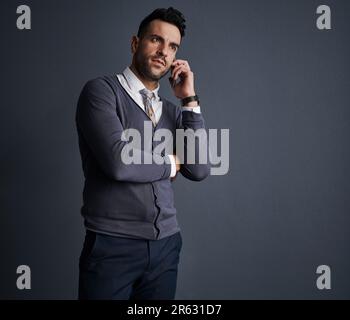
(98, 91)
(106, 84)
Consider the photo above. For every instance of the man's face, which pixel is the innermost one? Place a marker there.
(155, 50)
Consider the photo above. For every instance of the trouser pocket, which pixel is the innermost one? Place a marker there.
(89, 246)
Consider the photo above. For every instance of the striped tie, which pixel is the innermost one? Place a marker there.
(148, 96)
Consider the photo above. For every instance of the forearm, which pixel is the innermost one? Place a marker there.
(101, 129)
(194, 148)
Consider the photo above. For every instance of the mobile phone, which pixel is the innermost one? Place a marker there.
(171, 80)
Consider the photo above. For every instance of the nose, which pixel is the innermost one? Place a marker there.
(162, 50)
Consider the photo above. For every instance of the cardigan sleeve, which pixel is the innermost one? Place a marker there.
(194, 128)
(101, 128)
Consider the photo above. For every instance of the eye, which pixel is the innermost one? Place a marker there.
(154, 39)
(174, 48)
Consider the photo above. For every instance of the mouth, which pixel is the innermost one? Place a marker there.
(159, 62)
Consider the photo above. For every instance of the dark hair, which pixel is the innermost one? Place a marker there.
(169, 15)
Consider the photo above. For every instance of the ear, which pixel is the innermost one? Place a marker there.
(134, 44)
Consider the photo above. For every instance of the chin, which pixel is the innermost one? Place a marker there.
(157, 77)
(155, 74)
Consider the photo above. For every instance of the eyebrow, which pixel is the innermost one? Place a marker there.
(172, 43)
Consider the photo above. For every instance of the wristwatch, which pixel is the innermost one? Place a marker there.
(186, 100)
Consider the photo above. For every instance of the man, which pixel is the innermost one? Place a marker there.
(133, 241)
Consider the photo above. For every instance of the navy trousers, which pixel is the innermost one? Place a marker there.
(128, 269)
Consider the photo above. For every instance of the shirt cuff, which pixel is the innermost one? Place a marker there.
(193, 109)
(173, 166)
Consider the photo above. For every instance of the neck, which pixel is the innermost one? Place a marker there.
(149, 84)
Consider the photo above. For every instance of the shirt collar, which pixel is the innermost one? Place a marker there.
(134, 83)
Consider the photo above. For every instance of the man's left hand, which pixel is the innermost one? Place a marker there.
(185, 87)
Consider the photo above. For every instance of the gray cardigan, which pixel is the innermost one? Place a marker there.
(127, 200)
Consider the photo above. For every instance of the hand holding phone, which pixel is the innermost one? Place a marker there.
(182, 79)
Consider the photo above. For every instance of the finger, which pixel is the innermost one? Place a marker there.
(176, 62)
(174, 70)
(181, 62)
(181, 70)
(181, 66)
(185, 63)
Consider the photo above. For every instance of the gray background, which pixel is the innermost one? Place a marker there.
(262, 69)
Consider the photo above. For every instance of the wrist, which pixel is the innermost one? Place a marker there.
(191, 104)
(188, 94)
(190, 101)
